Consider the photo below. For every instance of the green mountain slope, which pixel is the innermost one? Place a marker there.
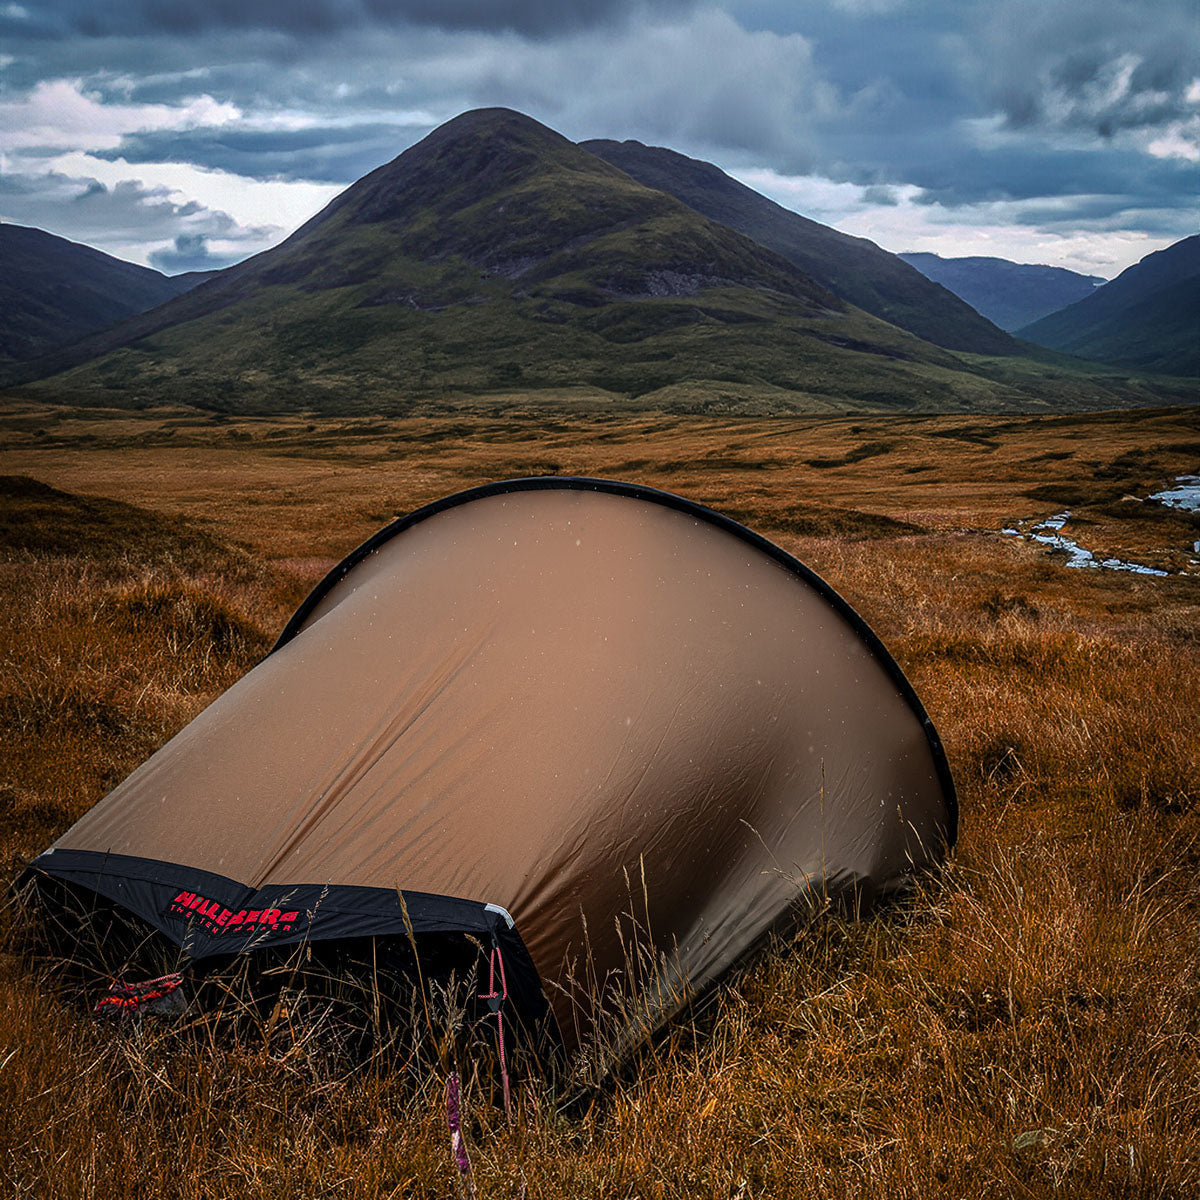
(496, 257)
(54, 291)
(854, 268)
(1158, 333)
(1009, 294)
(1148, 317)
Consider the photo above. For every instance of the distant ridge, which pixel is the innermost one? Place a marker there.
(54, 291)
(855, 269)
(1009, 294)
(1148, 317)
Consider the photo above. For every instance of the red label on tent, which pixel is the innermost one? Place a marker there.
(216, 918)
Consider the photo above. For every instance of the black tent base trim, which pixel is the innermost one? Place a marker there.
(210, 916)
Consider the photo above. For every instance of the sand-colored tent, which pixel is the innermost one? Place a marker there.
(559, 715)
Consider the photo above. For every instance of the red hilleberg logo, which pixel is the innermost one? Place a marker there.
(217, 919)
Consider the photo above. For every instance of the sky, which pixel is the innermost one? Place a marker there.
(189, 134)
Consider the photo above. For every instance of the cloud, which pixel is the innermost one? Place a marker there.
(318, 153)
(1086, 233)
(61, 169)
(1098, 68)
(1053, 114)
(697, 84)
(191, 252)
(664, 71)
(972, 169)
(278, 203)
(89, 209)
(1180, 140)
(127, 219)
(241, 135)
(881, 194)
(59, 114)
(816, 196)
(869, 8)
(321, 17)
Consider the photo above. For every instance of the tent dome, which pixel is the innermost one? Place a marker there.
(532, 712)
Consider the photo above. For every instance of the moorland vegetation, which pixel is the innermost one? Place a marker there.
(1026, 1024)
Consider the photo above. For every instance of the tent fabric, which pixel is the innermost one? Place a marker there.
(560, 714)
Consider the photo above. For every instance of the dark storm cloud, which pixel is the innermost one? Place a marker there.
(1076, 187)
(1100, 67)
(972, 175)
(320, 17)
(321, 154)
(1011, 102)
(896, 72)
(881, 194)
(1113, 213)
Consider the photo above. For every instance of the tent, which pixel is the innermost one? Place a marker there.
(607, 732)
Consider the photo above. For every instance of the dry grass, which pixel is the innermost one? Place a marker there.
(1028, 1025)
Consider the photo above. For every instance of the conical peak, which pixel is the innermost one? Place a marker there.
(497, 141)
(493, 122)
(478, 154)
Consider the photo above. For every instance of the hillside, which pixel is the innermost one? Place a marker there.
(853, 268)
(1009, 294)
(1147, 317)
(496, 258)
(54, 291)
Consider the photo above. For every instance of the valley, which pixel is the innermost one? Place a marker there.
(578, 844)
(278, 484)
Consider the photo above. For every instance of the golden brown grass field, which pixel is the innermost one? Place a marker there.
(1028, 1025)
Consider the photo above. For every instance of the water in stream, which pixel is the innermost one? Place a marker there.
(1183, 494)
(1049, 533)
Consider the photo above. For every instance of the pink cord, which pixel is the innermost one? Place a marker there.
(501, 996)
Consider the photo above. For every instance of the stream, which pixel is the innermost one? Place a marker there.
(1049, 533)
(1183, 494)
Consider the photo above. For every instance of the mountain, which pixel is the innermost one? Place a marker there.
(1148, 317)
(495, 257)
(853, 268)
(496, 253)
(53, 291)
(1009, 294)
